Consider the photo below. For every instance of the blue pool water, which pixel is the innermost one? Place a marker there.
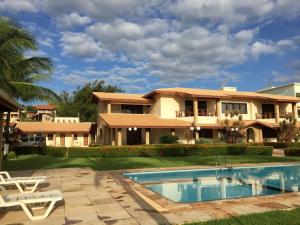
(214, 184)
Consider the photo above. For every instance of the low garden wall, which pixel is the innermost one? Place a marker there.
(148, 150)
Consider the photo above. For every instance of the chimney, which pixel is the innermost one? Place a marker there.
(228, 89)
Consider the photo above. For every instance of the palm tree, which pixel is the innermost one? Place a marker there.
(19, 74)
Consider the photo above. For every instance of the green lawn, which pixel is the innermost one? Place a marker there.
(269, 218)
(48, 162)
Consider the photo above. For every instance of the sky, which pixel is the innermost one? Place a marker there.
(141, 45)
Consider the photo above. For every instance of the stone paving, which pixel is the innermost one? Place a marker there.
(92, 197)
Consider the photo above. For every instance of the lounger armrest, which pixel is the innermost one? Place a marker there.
(5, 173)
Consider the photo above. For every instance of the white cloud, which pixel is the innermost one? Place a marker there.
(18, 5)
(82, 45)
(72, 20)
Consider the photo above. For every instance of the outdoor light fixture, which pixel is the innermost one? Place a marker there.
(192, 128)
(236, 129)
(130, 129)
(198, 128)
(135, 129)
(232, 129)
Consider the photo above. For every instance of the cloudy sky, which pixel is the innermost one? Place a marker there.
(140, 45)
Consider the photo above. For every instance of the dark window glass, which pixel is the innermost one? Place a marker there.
(224, 107)
(298, 113)
(132, 109)
(50, 137)
(298, 95)
(236, 107)
(75, 137)
(243, 108)
(232, 107)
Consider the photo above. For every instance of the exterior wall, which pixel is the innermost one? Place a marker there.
(66, 120)
(68, 140)
(156, 107)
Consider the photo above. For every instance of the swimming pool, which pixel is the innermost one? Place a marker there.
(202, 185)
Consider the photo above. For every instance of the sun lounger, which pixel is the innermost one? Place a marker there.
(31, 201)
(24, 184)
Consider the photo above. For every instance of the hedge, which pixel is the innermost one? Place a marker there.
(148, 150)
(283, 144)
(292, 151)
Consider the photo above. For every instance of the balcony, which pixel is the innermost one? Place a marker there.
(285, 115)
(265, 115)
(201, 112)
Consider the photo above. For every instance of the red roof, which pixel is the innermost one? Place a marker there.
(44, 107)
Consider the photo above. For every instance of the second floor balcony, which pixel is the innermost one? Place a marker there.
(201, 112)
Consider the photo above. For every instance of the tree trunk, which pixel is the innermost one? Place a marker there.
(1, 138)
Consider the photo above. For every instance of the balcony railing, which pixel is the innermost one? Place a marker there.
(201, 112)
(266, 115)
(284, 115)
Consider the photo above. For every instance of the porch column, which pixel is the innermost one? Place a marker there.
(54, 139)
(119, 137)
(195, 104)
(72, 140)
(196, 135)
(147, 138)
(108, 108)
(252, 117)
(173, 132)
(218, 109)
(113, 136)
(295, 110)
(277, 112)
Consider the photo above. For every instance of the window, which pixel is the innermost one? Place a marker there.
(50, 137)
(298, 95)
(298, 113)
(132, 109)
(232, 107)
(75, 137)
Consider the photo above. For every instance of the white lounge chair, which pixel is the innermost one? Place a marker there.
(24, 184)
(31, 201)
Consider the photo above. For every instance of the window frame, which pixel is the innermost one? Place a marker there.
(233, 107)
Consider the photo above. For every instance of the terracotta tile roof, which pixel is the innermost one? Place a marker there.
(249, 123)
(221, 94)
(43, 127)
(120, 97)
(44, 107)
(116, 120)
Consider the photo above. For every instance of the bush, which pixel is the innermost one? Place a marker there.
(11, 155)
(55, 151)
(277, 144)
(205, 141)
(292, 151)
(168, 139)
(161, 150)
(27, 150)
(293, 145)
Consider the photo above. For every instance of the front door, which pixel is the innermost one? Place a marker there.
(268, 111)
(62, 139)
(134, 137)
(85, 139)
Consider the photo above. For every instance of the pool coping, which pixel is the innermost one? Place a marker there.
(162, 204)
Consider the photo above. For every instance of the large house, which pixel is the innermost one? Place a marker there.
(292, 89)
(187, 113)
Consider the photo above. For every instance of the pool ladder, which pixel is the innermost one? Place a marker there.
(226, 164)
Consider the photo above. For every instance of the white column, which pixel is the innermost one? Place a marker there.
(108, 108)
(195, 104)
(119, 137)
(277, 112)
(147, 134)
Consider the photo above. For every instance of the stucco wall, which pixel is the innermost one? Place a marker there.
(68, 140)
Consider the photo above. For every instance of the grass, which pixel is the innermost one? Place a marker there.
(27, 162)
(269, 218)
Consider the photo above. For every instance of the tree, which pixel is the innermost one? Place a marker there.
(79, 102)
(234, 127)
(287, 129)
(19, 74)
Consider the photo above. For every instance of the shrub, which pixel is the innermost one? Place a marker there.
(292, 151)
(27, 150)
(168, 139)
(277, 144)
(205, 141)
(293, 145)
(11, 155)
(55, 151)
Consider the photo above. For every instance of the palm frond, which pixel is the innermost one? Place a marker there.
(31, 92)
